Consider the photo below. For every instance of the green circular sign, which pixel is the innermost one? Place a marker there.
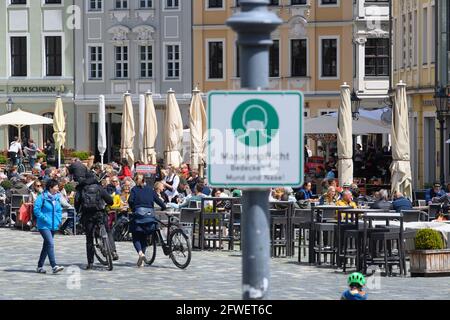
(255, 123)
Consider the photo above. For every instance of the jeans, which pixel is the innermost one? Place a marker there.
(48, 248)
(32, 162)
(89, 224)
(140, 241)
(69, 223)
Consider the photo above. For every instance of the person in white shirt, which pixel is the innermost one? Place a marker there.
(171, 182)
(15, 151)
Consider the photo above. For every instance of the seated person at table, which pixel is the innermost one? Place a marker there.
(401, 203)
(330, 198)
(346, 200)
(356, 282)
(433, 194)
(198, 196)
(381, 201)
(304, 193)
(159, 190)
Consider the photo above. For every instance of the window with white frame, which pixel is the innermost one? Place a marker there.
(172, 4)
(215, 59)
(53, 56)
(329, 58)
(95, 62)
(145, 4)
(121, 4)
(424, 36)
(146, 61)
(173, 61)
(121, 60)
(215, 4)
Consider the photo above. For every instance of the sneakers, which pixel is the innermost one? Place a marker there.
(41, 271)
(90, 266)
(115, 256)
(140, 262)
(57, 269)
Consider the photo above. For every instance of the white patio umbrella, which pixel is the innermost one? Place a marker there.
(327, 124)
(173, 138)
(128, 132)
(150, 130)
(141, 127)
(198, 128)
(344, 138)
(20, 119)
(59, 127)
(102, 144)
(401, 165)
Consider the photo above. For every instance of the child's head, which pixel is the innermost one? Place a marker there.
(356, 280)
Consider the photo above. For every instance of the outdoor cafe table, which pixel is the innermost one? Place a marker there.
(312, 233)
(353, 216)
(387, 219)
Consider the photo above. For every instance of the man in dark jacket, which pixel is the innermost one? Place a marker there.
(401, 203)
(78, 170)
(381, 201)
(90, 215)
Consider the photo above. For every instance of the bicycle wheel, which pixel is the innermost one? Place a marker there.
(150, 253)
(180, 249)
(21, 168)
(108, 250)
(120, 231)
(99, 248)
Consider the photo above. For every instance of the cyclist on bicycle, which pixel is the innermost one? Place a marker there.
(143, 222)
(91, 200)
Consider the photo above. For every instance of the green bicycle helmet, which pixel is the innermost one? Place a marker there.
(356, 278)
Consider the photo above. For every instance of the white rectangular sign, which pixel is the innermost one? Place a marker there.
(255, 138)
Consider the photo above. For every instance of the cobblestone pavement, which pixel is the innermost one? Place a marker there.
(211, 276)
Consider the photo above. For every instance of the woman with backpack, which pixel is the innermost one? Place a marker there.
(48, 213)
(141, 201)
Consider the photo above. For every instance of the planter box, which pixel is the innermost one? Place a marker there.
(430, 263)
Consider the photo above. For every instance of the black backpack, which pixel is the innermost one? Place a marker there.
(91, 198)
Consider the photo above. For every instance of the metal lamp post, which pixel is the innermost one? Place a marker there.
(254, 25)
(356, 104)
(442, 108)
(9, 105)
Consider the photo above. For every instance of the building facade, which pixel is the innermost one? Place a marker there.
(372, 52)
(414, 63)
(36, 62)
(134, 46)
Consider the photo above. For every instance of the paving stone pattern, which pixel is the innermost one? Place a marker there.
(212, 275)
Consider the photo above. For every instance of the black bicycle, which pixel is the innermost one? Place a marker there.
(102, 246)
(121, 229)
(177, 246)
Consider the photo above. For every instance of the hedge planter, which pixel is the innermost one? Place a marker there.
(430, 263)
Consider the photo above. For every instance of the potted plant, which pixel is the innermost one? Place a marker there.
(6, 184)
(3, 161)
(85, 157)
(429, 257)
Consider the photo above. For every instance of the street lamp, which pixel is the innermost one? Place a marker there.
(442, 107)
(9, 105)
(356, 104)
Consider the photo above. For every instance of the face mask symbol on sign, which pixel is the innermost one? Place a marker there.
(255, 123)
(255, 127)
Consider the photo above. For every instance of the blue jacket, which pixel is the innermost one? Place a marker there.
(348, 295)
(402, 204)
(303, 194)
(430, 194)
(144, 197)
(48, 214)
